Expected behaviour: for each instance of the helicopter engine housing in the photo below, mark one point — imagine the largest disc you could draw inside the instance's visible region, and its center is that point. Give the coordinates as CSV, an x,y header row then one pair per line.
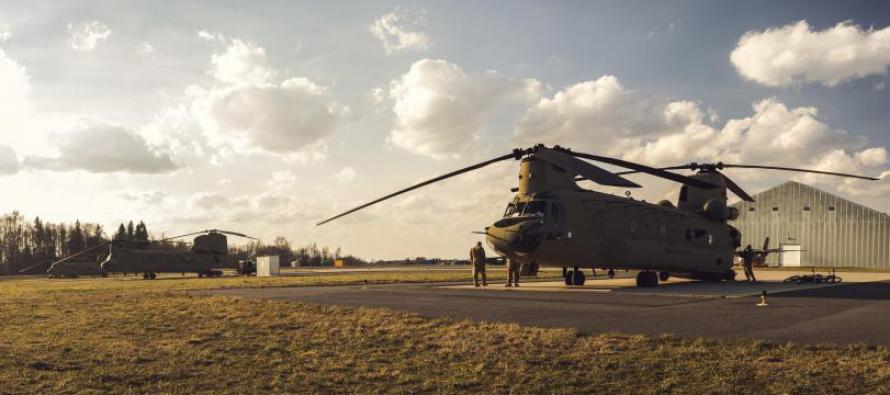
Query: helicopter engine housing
x,y
717,210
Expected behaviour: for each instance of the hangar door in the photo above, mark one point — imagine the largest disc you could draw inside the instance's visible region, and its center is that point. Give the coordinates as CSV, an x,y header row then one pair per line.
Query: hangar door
x,y
789,255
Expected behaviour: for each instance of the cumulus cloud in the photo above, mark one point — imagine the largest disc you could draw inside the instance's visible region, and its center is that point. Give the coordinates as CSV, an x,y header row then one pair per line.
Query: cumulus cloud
x,y
280,118
9,162
100,147
788,54
594,117
601,108
5,33
345,175
15,87
146,49
86,36
242,62
208,36
400,30
146,198
264,208
208,201
772,134
247,110
281,180
439,108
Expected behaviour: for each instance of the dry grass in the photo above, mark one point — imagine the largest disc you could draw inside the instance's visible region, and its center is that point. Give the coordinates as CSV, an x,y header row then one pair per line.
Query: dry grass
x,y
176,283
125,336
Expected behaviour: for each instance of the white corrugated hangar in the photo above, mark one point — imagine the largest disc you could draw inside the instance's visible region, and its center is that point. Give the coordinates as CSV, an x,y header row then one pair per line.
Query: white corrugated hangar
x,y
816,228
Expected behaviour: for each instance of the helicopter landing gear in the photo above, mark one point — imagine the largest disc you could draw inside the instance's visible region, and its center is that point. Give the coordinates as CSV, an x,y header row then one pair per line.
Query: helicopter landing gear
x,y
730,275
611,273
578,278
663,276
574,277
647,279
149,276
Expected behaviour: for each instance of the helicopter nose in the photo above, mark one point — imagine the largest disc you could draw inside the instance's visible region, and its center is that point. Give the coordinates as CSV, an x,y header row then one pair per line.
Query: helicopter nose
x,y
516,236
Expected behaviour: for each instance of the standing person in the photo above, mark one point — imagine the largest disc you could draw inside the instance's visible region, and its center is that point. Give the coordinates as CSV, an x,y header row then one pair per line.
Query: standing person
x,y
748,263
514,267
477,259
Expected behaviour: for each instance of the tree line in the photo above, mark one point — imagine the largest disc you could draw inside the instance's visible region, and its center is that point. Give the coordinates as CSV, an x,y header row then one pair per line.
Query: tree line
x,y
308,255
33,245
30,246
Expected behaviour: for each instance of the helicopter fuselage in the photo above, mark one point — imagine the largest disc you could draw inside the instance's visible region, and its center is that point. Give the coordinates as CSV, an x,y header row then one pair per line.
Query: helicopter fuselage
x,y
589,229
555,223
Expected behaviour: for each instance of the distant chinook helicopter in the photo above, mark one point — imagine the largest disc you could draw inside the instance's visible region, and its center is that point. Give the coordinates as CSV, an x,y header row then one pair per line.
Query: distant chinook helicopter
x,y
553,222
209,253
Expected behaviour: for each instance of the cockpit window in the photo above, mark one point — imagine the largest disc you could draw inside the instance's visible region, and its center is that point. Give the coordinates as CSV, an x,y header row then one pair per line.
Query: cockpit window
x,y
535,207
514,209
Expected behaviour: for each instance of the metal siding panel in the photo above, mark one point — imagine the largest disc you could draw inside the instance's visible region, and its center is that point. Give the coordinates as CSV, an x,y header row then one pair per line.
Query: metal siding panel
x,y
851,235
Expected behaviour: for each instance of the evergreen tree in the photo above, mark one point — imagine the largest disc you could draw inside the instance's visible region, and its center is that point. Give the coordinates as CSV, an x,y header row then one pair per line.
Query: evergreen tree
x,y
39,239
141,232
62,240
121,232
131,232
95,238
75,239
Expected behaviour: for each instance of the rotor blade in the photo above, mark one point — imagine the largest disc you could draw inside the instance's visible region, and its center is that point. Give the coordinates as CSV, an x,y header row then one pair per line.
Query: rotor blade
x,y
228,232
830,173
766,243
34,265
480,165
735,188
105,244
658,172
587,170
680,167
184,235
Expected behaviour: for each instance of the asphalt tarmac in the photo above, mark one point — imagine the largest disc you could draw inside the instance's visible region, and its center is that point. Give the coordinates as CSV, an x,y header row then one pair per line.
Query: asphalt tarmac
x,y
847,313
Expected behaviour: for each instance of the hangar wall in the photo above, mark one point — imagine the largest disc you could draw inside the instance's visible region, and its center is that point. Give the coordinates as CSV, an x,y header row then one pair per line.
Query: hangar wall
x,y
834,232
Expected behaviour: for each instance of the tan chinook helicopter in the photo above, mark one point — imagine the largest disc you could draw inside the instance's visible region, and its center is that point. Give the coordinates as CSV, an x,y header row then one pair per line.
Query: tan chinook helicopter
x,y
553,222
208,255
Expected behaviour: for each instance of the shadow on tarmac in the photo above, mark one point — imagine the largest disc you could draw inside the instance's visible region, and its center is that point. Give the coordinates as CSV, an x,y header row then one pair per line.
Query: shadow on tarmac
x,y
861,291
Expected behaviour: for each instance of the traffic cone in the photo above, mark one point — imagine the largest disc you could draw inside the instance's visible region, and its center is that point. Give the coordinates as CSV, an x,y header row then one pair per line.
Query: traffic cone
x,y
762,299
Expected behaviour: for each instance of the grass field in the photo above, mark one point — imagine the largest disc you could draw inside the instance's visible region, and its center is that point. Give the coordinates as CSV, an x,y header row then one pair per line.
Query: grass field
x,y
125,336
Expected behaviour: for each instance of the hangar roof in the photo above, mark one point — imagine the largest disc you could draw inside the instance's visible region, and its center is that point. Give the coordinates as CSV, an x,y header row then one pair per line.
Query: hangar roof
x,y
802,197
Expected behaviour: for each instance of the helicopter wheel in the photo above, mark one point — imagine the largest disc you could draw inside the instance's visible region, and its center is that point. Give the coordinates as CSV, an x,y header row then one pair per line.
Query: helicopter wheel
x,y
647,279
577,277
569,276
152,275
730,275
611,273
663,276
145,276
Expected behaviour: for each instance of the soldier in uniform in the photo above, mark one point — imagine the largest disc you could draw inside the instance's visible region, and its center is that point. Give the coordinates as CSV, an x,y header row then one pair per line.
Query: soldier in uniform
x,y
477,259
748,256
513,269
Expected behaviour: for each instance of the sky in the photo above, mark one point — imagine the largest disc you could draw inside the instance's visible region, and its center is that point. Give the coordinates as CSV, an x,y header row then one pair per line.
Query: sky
x,y
266,117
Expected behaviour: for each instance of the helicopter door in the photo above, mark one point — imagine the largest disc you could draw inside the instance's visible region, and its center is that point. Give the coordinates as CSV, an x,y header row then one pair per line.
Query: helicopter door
x,y
558,214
